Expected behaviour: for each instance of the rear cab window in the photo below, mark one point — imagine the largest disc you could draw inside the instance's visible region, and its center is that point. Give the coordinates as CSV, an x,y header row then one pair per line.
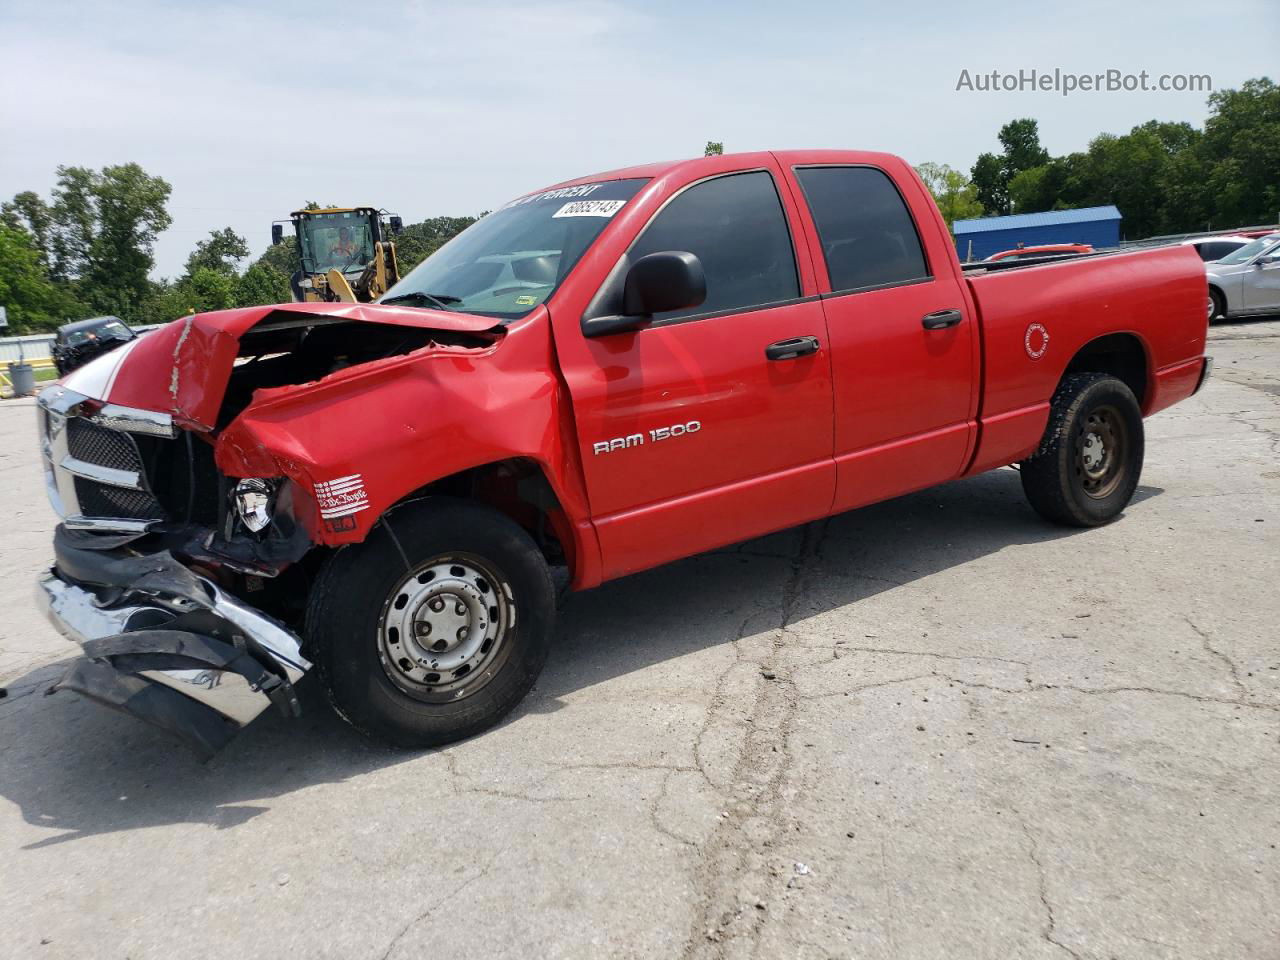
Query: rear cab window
x,y
869,239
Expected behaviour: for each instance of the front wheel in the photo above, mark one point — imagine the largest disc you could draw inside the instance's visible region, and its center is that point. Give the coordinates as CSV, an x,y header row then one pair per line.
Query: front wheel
x,y
433,628
1087,466
1217,306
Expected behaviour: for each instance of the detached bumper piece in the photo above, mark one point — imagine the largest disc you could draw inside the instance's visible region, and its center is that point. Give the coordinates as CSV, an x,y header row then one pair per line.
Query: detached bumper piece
x,y
165,645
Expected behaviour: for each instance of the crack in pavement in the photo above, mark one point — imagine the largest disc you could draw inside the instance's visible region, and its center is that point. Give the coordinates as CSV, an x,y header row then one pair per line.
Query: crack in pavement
x,y
1213,651
395,941
733,876
456,779
1051,921
655,819
627,765
908,653
719,700
668,770
1042,687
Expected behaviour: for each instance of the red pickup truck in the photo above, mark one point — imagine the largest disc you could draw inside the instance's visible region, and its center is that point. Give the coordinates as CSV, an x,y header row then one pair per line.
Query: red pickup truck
x,y
608,374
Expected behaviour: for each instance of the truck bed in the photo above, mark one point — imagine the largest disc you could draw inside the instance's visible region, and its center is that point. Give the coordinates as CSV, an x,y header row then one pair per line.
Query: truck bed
x,y
1148,301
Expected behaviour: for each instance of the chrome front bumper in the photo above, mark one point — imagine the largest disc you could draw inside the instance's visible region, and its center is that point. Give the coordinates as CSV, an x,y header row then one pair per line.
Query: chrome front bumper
x,y
198,663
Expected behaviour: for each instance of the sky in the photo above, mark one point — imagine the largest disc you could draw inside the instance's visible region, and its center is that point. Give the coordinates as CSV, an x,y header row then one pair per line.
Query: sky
x,y
451,108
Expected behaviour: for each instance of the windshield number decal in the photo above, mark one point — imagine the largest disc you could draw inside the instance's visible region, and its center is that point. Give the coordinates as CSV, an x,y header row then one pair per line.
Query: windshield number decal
x,y
590,208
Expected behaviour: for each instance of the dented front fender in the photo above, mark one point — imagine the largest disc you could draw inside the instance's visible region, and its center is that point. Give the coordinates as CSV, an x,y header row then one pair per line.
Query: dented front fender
x,y
359,441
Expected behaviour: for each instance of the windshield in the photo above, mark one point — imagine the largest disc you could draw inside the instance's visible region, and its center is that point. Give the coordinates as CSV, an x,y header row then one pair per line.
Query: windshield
x,y
512,260
1249,250
341,240
113,330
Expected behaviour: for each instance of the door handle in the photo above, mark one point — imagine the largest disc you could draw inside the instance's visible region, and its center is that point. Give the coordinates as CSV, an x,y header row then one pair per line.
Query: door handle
x,y
790,349
941,320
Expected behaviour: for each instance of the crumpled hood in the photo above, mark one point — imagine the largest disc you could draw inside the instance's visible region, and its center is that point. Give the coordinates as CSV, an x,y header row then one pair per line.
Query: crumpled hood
x,y
183,368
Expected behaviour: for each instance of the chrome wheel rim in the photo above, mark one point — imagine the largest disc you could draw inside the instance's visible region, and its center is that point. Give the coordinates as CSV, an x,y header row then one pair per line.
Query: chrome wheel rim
x,y
1211,306
442,629
1101,445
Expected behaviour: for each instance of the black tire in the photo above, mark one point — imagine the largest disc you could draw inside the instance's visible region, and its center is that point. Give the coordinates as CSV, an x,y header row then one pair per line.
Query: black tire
x,y
1089,462
359,586
1217,306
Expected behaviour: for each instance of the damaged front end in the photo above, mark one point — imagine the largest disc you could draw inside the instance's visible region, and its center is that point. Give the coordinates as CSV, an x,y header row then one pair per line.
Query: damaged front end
x,y
220,459
141,574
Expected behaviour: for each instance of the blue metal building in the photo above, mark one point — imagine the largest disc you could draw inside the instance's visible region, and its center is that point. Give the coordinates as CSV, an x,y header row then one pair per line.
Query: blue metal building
x,y
978,239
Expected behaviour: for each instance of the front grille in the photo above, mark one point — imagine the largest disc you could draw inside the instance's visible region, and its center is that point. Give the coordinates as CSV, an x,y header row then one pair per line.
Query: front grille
x,y
120,463
92,443
85,444
103,500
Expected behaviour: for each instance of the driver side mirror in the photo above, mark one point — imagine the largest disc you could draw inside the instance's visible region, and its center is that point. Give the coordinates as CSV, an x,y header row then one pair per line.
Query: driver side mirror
x,y
277,233
657,283
397,226
1268,260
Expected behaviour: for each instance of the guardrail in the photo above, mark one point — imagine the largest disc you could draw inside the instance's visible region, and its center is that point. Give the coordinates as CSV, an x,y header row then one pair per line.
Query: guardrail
x,y
28,348
33,346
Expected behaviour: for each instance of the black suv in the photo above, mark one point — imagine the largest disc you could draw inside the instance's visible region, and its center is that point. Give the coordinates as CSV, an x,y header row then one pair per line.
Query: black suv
x,y
78,343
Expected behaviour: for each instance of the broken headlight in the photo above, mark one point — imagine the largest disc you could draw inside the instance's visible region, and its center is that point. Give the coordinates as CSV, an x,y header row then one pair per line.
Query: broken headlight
x,y
254,500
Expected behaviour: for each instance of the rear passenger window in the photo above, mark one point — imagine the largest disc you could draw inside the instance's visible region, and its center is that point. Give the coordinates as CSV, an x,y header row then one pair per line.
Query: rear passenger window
x,y
1213,251
866,231
736,226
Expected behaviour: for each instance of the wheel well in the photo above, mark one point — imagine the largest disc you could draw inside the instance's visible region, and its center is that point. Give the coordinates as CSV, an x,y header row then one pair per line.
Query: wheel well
x,y
518,488
1119,354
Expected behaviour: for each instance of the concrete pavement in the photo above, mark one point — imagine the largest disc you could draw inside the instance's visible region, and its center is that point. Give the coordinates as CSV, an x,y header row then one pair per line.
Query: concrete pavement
x,y
936,727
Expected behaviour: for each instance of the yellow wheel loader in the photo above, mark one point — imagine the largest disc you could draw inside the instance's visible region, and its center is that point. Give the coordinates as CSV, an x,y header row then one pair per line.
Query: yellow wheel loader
x,y
345,253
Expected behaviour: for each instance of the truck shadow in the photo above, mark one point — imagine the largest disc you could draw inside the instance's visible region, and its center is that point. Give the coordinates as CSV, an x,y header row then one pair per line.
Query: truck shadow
x,y
661,614
74,767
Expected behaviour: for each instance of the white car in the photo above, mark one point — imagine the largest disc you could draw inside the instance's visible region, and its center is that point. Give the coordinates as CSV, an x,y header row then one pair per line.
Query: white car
x,y
1247,282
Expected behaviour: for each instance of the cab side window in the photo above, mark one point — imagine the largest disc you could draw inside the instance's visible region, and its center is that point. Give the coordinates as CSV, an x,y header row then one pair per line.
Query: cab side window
x,y
736,226
867,234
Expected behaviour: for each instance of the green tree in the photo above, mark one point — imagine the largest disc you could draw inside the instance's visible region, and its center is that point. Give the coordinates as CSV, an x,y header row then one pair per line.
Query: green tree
x,y
206,289
956,197
281,257
1242,147
27,211
1028,187
992,173
32,301
1165,177
130,215
420,240
1021,142
989,183
714,148
262,284
97,233
222,252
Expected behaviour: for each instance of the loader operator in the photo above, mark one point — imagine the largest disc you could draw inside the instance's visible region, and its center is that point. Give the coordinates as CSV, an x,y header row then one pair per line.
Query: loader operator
x,y
344,249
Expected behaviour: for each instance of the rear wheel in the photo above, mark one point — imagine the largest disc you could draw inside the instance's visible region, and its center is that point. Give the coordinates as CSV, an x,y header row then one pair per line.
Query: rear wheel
x,y
435,627
1088,464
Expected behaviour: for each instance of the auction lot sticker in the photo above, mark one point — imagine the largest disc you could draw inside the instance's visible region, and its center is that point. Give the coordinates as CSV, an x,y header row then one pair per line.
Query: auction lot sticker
x,y
590,208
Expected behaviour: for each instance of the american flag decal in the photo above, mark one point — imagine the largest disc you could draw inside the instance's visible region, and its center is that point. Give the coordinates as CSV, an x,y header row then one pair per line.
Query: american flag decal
x,y
342,496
